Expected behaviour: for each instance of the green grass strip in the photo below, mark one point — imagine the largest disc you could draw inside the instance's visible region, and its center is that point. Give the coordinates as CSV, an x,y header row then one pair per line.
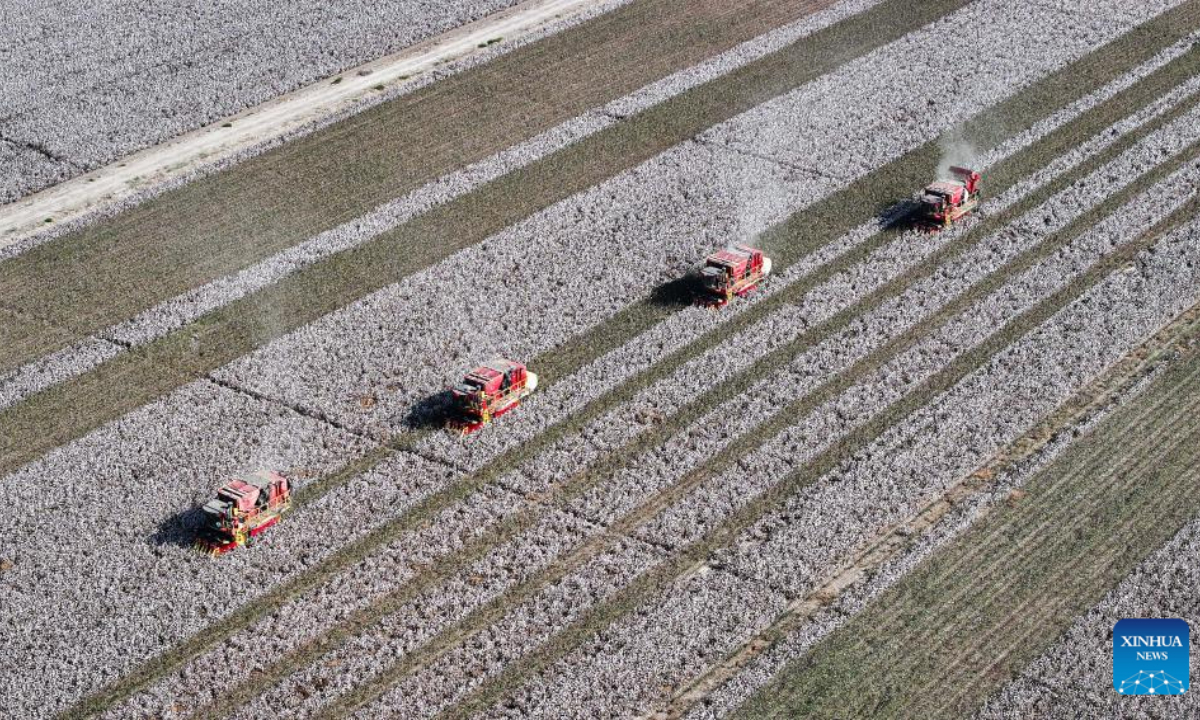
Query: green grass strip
x,y
629,454
68,410
108,272
981,608
1053,91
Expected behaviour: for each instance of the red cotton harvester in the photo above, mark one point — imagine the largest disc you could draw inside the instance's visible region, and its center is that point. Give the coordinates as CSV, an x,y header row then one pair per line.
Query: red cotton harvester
x,y
242,509
945,201
489,391
733,272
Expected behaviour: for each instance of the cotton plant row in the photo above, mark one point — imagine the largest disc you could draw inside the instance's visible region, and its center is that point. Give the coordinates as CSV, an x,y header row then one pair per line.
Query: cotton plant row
x,y
24,169
613,492
735,689
114,80
298,368
176,312
352,589
729,607
760,671
396,637
912,475
724,494
369,579
630,663
521,292
52,369
1075,674
345,585
366,571
447,69
784,540
110,517
981,55
721,425
173,313
676,331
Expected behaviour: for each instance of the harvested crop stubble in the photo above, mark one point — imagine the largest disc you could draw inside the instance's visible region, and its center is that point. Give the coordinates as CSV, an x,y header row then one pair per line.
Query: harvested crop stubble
x,y
1084,189
88,86
172,661
678,206
524,291
674,331
811,618
1075,675
173,313
1091,332
790,549
106,519
198,232
978,262
723,495
1110,500
729,607
611,499
176,312
224,335
395,638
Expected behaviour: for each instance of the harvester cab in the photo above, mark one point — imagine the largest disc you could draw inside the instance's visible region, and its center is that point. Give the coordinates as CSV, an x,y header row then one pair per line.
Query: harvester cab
x,y
733,272
243,509
489,391
945,201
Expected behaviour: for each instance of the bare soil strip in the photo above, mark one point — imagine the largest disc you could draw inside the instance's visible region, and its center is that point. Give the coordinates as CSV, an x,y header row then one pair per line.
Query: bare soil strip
x,y
65,411
638,592
217,225
1152,356
227,137
1028,160
939,642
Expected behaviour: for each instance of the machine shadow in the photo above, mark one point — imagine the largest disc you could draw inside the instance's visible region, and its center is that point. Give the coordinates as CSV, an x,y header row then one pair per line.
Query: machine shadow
x,y
181,529
433,412
678,293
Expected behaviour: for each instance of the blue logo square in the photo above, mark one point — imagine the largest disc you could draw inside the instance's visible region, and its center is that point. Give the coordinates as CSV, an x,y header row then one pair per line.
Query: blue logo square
x,y
1150,657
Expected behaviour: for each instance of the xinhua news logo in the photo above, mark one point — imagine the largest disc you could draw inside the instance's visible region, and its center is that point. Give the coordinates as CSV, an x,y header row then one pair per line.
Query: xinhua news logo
x,y
1150,657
